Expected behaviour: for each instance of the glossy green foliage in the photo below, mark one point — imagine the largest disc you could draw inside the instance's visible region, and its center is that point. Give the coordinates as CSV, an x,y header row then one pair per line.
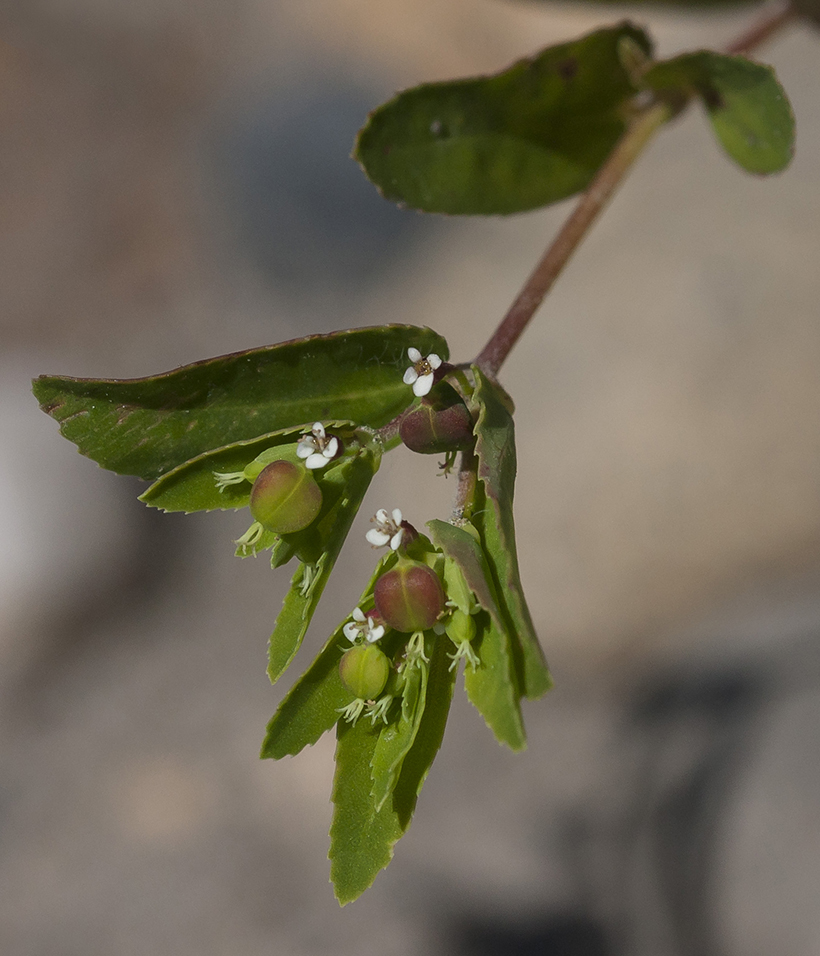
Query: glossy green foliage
x,y
312,705
148,426
495,450
343,488
747,107
362,837
529,136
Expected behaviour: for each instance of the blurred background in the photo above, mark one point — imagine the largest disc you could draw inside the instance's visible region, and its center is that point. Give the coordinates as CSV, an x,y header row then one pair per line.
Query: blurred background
x,y
176,184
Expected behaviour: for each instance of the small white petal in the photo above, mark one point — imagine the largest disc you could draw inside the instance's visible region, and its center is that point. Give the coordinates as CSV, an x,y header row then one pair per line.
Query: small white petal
x,y
319,429
358,615
331,448
423,385
381,516
351,631
377,538
397,519
316,461
433,360
413,354
305,447
395,541
410,376
375,634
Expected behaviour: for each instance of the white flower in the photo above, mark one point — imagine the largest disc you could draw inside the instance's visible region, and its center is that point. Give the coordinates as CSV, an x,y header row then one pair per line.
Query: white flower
x,y
388,529
363,626
317,448
422,372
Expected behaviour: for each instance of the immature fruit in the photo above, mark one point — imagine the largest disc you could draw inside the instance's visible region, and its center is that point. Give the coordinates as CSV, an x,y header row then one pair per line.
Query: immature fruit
x,y
441,423
364,670
285,497
461,627
409,597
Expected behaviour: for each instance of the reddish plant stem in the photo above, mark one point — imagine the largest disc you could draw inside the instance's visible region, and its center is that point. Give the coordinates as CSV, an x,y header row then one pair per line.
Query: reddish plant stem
x,y
465,492
591,204
640,131
776,17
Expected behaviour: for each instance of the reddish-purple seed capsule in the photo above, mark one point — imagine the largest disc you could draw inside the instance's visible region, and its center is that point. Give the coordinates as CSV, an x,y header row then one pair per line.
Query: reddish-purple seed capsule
x,y
409,597
440,424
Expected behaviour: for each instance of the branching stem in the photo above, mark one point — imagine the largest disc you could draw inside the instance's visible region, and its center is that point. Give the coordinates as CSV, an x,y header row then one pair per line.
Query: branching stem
x,y
640,131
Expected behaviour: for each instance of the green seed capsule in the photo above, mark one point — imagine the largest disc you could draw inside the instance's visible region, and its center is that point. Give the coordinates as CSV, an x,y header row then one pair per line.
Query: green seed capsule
x,y
364,670
409,597
285,497
461,627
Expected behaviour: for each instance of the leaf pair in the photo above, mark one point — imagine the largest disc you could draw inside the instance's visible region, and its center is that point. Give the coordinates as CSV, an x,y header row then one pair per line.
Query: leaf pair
x,y
537,132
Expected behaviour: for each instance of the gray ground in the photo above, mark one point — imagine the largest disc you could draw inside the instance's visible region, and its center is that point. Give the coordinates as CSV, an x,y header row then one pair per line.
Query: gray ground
x,y
176,185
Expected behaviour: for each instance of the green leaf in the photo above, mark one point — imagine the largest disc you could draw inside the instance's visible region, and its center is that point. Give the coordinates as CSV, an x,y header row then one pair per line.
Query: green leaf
x,y
361,838
526,137
465,550
192,486
312,705
440,683
350,482
493,686
148,426
749,110
396,739
495,450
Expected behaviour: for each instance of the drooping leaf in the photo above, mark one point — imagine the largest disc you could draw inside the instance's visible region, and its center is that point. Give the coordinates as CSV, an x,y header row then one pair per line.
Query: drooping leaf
x,y
465,550
495,450
351,481
361,838
396,739
493,687
148,426
193,486
440,683
523,138
311,707
749,110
